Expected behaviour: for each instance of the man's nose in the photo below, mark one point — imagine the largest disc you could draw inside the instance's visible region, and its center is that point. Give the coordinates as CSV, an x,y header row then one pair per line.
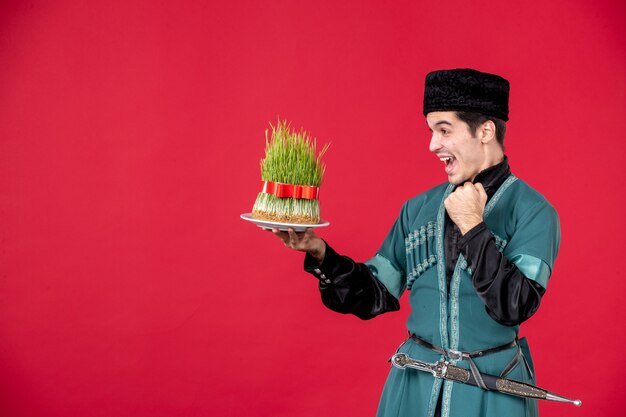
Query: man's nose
x,y
435,145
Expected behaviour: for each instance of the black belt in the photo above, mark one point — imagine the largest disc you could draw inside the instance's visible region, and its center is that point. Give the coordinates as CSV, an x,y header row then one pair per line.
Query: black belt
x,y
456,355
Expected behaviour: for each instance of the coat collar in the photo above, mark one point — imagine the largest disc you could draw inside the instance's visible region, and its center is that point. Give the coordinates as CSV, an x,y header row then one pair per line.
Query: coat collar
x,y
493,177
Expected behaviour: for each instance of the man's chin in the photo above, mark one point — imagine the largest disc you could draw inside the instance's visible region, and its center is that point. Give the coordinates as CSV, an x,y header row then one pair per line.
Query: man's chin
x,y
456,180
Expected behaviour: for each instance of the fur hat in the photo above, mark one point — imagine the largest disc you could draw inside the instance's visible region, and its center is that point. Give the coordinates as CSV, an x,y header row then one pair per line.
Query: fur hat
x,y
466,89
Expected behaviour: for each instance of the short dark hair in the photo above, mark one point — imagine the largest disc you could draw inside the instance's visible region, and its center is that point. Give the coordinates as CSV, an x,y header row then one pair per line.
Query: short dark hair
x,y
474,120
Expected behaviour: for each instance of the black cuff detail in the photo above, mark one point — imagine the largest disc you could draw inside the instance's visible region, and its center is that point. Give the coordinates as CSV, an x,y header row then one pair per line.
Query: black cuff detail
x,y
322,272
477,230
349,287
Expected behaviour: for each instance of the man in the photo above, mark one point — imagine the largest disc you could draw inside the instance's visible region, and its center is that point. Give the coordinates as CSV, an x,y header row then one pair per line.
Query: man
x,y
475,255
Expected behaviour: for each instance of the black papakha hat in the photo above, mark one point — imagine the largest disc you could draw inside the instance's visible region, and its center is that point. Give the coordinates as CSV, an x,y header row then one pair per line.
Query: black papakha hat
x,y
466,89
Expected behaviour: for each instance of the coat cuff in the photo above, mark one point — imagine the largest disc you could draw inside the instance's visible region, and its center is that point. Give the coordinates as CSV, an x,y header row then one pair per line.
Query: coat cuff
x,y
464,240
322,272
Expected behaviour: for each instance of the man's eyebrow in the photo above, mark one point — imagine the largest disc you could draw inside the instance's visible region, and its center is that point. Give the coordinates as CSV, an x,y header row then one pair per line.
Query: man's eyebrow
x,y
441,122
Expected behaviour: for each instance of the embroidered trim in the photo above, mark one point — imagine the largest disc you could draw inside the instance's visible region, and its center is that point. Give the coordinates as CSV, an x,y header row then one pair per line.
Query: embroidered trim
x,y
494,200
500,243
464,265
447,395
420,269
441,270
441,273
434,395
419,246
419,237
454,288
454,302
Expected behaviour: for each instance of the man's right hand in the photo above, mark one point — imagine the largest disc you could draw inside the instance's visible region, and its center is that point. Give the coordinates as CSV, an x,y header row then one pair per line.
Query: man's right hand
x,y
306,241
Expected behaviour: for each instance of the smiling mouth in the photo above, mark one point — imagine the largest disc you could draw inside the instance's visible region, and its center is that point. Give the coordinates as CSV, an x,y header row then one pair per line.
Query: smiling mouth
x,y
449,162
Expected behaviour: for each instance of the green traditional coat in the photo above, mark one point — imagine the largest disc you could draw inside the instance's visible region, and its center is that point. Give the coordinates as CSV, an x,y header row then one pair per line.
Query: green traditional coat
x,y
526,230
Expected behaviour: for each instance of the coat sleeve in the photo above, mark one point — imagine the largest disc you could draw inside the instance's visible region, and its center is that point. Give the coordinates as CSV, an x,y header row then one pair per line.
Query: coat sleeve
x,y
512,283
364,289
349,287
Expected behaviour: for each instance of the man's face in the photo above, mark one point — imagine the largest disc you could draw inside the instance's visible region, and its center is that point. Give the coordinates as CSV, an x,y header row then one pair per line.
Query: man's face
x,y
452,142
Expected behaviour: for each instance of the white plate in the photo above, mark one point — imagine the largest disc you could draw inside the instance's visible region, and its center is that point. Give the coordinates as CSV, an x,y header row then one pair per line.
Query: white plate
x,y
266,224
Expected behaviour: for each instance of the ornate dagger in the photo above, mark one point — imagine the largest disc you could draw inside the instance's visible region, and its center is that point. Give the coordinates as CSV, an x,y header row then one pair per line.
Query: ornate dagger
x,y
445,370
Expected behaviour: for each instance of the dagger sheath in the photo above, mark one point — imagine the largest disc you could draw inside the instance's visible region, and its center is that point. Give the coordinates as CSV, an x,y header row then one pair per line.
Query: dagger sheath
x,y
445,370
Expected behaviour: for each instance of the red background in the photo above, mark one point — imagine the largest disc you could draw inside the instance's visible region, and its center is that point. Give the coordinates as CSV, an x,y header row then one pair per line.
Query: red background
x,y
130,138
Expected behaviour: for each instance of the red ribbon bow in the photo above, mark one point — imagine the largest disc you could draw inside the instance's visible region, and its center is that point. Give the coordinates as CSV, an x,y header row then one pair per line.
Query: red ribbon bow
x,y
281,190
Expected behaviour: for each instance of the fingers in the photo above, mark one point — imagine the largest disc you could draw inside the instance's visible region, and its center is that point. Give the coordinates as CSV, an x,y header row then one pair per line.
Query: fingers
x,y
293,239
292,234
310,234
467,196
481,191
462,192
470,188
464,188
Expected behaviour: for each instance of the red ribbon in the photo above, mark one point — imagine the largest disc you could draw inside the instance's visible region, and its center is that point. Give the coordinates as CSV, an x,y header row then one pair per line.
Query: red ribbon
x,y
281,190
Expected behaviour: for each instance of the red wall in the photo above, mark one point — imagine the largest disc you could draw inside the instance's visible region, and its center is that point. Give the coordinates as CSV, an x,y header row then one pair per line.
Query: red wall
x,y
130,138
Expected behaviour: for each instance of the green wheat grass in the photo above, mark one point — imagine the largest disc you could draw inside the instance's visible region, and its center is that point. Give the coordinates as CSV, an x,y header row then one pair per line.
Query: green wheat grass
x,y
290,158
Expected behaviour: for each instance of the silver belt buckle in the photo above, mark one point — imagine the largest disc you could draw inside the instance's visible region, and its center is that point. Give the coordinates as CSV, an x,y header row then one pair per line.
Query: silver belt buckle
x,y
455,355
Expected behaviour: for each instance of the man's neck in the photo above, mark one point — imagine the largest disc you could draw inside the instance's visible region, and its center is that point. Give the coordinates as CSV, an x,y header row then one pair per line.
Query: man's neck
x,y
493,177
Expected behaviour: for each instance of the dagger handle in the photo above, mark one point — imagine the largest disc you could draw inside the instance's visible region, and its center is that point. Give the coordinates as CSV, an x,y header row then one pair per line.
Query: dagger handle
x,y
400,360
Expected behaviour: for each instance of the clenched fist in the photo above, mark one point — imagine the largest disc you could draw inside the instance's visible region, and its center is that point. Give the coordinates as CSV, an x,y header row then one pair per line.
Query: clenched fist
x,y
466,206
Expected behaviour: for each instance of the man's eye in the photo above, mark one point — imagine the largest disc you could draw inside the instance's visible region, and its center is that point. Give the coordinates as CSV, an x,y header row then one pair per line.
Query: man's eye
x,y
444,131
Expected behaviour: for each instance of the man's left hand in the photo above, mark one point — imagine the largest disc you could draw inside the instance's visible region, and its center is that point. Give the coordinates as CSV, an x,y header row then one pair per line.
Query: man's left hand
x,y
466,206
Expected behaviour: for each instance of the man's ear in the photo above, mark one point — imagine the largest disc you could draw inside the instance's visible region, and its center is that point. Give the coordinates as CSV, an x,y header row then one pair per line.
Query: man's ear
x,y
487,132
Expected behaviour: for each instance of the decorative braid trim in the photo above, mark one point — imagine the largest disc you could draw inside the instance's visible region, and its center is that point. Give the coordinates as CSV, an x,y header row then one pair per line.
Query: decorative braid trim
x,y
494,200
441,270
420,236
500,243
420,269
